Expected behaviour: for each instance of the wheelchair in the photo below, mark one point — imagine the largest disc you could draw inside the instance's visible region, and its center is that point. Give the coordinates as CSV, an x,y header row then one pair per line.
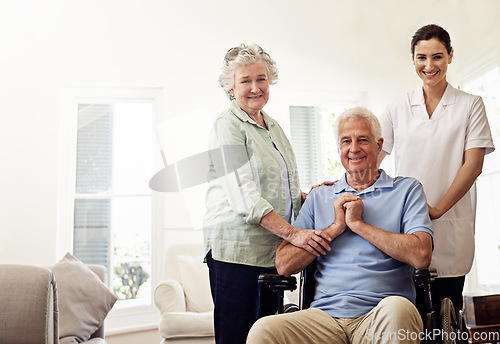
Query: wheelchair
x,y
451,329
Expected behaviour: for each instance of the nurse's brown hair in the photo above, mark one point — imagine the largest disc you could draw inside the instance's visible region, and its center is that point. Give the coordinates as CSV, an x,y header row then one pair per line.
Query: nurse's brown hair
x,y
431,31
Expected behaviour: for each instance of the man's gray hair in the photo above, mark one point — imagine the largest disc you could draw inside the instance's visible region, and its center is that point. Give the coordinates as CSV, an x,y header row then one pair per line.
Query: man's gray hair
x,y
361,113
243,55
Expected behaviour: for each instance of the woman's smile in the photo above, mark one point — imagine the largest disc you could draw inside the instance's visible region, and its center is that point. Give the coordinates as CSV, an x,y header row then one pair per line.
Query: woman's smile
x,y
430,73
251,87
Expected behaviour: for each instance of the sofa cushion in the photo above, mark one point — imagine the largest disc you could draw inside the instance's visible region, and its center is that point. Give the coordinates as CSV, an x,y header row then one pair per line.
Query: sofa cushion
x,y
84,300
196,284
187,324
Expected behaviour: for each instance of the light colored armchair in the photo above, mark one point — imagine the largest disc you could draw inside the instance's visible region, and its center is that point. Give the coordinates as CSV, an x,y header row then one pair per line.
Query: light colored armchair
x,y
30,304
184,299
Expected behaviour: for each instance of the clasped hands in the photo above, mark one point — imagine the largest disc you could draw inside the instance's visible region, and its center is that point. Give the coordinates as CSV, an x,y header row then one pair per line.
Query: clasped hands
x,y
348,212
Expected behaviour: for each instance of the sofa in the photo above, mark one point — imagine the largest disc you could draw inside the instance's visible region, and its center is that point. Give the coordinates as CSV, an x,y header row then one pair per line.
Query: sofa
x,y
64,304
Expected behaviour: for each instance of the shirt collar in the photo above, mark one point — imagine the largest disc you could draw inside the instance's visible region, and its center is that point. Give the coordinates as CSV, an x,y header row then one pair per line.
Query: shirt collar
x,y
417,97
383,181
243,116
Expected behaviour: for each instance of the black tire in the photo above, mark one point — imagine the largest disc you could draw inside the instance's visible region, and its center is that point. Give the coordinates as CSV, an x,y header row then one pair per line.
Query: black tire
x,y
448,322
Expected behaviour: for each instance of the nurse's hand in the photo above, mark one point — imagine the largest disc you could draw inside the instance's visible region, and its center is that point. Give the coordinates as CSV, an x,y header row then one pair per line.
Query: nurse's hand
x,y
326,182
434,213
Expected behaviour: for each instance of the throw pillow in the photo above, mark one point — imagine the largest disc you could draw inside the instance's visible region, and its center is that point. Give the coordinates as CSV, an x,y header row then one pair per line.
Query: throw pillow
x,y
84,300
196,284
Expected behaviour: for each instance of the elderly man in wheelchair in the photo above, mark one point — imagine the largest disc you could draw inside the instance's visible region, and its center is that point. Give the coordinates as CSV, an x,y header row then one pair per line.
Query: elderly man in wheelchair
x,y
379,232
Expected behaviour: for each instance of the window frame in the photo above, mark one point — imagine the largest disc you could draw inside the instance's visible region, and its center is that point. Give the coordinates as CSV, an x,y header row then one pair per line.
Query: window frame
x,y
485,64
127,318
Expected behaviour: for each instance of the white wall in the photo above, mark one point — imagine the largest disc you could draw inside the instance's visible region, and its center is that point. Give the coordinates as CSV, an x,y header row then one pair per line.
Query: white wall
x,y
178,46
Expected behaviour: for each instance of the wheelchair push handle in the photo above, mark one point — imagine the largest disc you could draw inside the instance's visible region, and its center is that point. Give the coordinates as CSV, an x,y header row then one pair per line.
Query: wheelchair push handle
x,y
424,276
278,282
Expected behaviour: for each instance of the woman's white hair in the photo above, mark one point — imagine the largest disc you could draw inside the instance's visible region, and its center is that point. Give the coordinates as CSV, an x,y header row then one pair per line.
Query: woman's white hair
x,y
362,113
243,55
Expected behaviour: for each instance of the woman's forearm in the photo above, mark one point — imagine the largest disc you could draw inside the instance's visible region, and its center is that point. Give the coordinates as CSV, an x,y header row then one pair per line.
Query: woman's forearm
x,y
277,225
465,178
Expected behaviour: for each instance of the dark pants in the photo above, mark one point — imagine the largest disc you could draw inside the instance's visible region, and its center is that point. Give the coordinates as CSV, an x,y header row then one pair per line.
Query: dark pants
x,y
238,299
450,287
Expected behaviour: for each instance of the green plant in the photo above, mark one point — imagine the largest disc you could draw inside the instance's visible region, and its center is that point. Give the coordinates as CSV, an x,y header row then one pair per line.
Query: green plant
x,y
132,276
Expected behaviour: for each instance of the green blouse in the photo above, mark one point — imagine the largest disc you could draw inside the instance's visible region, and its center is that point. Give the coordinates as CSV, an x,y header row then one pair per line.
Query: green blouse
x,y
246,183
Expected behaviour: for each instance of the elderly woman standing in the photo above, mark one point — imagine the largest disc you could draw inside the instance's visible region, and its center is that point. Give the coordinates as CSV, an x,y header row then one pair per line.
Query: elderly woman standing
x,y
250,205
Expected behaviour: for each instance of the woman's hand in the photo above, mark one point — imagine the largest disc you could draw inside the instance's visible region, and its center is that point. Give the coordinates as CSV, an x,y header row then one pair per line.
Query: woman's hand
x,y
465,178
434,213
303,196
313,241
326,182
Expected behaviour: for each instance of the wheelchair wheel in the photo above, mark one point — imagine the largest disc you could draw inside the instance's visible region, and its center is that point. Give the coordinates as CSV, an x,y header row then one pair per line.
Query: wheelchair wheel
x,y
449,324
290,307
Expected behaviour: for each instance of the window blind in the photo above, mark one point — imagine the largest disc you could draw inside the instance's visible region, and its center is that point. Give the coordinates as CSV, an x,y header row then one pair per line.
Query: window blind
x,y
92,234
306,142
91,230
94,148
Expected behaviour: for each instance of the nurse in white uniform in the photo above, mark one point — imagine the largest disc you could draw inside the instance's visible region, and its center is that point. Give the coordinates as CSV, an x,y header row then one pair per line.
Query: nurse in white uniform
x,y
440,136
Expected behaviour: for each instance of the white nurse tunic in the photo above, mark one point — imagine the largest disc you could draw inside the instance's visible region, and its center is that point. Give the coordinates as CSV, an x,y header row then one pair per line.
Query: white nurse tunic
x,y
432,150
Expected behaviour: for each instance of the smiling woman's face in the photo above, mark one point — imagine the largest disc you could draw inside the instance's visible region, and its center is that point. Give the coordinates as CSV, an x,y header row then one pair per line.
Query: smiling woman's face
x,y
251,87
431,61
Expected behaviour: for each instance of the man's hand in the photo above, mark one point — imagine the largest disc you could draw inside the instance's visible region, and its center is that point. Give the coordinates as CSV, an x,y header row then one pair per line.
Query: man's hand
x,y
339,224
353,213
313,241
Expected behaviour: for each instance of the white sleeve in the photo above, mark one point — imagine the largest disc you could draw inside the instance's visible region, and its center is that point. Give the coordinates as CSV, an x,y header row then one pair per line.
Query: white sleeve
x,y
478,134
387,130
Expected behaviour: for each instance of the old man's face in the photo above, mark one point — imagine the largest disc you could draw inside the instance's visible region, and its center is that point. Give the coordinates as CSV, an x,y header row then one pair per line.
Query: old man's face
x,y
358,148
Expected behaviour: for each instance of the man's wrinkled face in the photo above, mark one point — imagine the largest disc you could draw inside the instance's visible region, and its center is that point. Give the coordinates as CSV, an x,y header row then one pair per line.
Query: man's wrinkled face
x,y
358,148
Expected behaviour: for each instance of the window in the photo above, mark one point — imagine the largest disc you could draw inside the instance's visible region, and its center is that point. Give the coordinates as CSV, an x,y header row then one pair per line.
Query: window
x,y
112,207
306,141
313,140
487,85
111,154
484,274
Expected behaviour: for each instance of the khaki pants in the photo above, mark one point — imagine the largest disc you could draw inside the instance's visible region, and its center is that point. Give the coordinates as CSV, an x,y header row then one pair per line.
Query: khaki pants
x,y
394,320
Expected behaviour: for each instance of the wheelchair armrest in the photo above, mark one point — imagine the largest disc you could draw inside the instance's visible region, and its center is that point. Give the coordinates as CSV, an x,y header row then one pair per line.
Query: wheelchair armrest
x,y
278,282
424,276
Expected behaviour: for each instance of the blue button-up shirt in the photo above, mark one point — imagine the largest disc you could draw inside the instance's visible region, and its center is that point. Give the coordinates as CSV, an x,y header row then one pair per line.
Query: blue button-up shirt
x,y
355,275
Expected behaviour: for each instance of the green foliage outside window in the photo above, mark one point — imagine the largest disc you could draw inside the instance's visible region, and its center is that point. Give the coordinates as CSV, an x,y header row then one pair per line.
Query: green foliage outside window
x,y
129,277
333,168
